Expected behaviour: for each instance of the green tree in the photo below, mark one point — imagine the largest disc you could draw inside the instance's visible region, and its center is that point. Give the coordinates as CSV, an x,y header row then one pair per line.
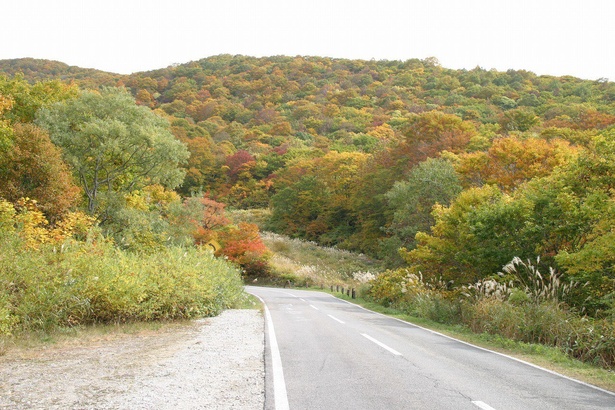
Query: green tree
x,y
431,182
114,145
481,231
28,98
297,207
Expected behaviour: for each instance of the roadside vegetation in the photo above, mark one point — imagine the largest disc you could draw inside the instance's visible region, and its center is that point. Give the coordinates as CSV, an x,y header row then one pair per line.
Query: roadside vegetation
x,y
66,281
91,230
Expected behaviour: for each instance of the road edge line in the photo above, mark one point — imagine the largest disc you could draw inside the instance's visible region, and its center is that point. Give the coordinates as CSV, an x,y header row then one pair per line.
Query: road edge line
x,y
279,384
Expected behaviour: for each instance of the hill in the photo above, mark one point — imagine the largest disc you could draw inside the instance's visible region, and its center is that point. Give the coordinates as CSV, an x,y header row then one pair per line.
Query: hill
x,y
271,131
38,69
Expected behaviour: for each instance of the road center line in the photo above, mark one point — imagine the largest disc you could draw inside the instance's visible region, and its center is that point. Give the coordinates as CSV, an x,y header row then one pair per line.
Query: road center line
x,y
314,307
336,319
379,343
482,405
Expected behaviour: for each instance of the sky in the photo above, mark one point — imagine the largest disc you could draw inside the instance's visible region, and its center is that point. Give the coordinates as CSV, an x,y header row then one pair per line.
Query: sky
x,y
547,37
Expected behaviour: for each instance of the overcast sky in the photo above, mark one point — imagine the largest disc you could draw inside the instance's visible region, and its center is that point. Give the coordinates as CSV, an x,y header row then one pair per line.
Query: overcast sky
x,y
556,37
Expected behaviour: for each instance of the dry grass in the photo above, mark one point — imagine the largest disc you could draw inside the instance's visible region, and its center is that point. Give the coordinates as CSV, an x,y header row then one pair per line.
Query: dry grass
x,y
306,263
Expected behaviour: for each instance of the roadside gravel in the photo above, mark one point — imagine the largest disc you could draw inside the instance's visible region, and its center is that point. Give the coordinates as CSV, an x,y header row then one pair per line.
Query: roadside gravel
x,y
213,363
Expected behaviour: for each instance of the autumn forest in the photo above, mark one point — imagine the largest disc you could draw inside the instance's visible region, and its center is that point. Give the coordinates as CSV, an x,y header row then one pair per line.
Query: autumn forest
x,y
454,177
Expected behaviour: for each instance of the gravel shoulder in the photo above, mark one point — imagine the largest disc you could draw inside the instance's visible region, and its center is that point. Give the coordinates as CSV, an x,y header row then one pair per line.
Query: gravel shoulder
x,y
213,363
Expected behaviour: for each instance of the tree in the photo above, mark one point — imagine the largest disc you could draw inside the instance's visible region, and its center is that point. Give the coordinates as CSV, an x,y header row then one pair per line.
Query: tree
x,y
203,171
6,132
33,168
433,181
430,133
472,238
296,207
511,161
521,119
19,101
113,144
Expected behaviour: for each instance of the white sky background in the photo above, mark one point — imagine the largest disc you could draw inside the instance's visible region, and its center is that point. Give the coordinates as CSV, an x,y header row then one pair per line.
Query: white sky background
x,y
555,37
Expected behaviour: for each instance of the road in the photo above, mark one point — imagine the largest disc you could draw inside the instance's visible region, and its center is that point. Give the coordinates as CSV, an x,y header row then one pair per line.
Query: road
x,y
325,353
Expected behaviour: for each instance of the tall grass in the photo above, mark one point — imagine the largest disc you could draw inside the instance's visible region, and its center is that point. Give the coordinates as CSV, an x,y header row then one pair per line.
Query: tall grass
x,y
94,282
307,263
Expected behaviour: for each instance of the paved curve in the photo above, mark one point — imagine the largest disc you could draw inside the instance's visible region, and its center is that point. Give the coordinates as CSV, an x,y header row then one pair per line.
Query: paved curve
x,y
336,355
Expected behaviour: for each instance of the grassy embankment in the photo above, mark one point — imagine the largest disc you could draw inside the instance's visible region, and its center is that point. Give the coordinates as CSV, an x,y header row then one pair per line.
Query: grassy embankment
x,y
305,263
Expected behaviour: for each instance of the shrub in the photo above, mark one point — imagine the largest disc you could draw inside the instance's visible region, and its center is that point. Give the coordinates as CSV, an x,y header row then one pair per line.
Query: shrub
x,y
243,245
434,305
91,282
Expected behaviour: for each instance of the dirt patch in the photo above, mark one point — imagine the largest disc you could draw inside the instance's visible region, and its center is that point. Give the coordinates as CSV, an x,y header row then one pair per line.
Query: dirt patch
x,y
214,363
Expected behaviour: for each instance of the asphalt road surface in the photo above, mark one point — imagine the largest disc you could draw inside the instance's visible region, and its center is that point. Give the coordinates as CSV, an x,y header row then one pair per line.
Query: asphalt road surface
x,y
325,353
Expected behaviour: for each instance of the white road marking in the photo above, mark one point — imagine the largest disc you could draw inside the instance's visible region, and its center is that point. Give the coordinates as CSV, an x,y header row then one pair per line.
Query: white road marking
x,y
483,406
303,300
279,385
314,307
379,343
336,319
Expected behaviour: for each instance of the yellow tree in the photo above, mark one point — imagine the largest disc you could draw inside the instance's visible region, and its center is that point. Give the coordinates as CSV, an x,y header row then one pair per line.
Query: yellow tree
x,y
511,161
33,168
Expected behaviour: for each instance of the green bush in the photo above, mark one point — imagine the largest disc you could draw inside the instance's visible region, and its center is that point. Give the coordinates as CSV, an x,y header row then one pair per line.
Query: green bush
x,y
436,306
83,283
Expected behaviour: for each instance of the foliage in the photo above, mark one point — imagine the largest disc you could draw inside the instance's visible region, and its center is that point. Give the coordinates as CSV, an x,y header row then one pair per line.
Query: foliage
x,y
431,182
113,144
472,238
511,161
6,133
26,99
314,198
340,150
243,245
33,168
28,221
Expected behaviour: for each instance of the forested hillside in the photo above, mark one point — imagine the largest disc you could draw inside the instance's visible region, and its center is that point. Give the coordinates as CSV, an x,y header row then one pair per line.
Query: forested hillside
x,y
447,174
